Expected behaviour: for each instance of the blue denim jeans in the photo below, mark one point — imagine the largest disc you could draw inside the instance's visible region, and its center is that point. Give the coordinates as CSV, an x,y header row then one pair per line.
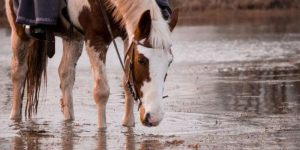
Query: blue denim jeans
x,y
165,8
37,12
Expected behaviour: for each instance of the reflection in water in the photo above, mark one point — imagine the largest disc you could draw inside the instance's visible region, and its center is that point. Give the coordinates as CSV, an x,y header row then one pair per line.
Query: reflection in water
x,y
101,140
259,93
195,110
34,136
17,143
147,143
130,139
67,137
28,137
151,145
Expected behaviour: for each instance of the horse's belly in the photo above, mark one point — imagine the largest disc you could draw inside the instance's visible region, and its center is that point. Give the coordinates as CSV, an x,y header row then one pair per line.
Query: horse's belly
x,y
74,8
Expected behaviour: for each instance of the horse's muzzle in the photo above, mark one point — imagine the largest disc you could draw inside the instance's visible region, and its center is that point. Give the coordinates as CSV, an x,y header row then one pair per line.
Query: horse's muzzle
x,y
150,121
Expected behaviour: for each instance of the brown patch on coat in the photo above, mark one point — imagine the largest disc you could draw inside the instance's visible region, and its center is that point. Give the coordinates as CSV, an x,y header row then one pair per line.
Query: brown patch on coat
x,y
95,28
96,32
142,113
141,71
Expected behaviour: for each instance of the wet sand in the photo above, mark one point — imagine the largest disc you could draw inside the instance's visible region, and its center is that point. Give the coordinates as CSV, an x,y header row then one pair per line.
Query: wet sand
x,y
230,87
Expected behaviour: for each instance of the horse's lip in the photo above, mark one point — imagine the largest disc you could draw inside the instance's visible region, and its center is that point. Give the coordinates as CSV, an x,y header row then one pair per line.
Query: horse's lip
x,y
148,124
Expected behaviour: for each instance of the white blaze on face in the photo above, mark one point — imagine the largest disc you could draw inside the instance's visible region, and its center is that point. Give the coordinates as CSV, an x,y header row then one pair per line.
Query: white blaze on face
x,y
159,61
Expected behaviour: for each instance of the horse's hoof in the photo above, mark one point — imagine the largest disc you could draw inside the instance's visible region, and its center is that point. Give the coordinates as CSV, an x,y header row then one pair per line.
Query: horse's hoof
x,y
69,118
128,123
15,118
102,127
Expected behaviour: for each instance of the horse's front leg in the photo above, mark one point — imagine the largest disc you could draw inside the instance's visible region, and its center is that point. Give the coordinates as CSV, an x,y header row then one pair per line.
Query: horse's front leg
x,y
96,49
72,50
18,74
128,117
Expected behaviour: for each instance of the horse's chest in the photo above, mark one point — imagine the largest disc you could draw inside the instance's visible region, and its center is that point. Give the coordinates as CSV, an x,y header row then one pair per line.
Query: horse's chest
x,y
75,8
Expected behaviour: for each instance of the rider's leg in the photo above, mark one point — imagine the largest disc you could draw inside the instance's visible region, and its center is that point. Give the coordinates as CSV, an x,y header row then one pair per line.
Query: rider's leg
x,y
164,5
38,15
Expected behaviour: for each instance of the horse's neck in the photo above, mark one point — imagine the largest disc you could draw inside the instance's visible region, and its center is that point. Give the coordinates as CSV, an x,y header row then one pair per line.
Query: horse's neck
x,y
130,11
125,10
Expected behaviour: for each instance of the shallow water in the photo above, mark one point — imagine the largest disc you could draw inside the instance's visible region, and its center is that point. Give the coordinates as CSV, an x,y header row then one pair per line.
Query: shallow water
x,y
230,87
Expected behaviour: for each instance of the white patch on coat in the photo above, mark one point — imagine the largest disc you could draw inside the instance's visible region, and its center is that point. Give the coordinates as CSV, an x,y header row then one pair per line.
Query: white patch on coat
x,y
74,8
159,61
101,88
129,13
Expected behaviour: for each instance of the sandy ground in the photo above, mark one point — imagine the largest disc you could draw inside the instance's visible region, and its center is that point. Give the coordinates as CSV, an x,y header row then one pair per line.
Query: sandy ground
x,y
230,87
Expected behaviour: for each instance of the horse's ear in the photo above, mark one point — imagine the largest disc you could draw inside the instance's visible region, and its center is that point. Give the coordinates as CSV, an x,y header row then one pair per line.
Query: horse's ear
x,y
144,26
173,19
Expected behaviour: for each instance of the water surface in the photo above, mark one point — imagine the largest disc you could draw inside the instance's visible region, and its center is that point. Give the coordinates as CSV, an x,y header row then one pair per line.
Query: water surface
x,y
230,87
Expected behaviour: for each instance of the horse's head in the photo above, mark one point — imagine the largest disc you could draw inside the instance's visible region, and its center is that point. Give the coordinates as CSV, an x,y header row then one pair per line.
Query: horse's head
x,y
148,69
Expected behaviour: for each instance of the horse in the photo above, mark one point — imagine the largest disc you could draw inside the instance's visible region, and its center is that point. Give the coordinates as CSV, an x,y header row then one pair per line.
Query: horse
x,y
148,55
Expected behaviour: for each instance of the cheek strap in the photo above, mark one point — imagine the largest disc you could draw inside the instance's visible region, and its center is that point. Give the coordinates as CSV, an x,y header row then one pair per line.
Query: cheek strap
x,y
130,76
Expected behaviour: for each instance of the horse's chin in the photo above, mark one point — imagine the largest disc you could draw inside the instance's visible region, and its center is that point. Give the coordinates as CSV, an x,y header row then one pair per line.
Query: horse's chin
x,y
147,124
148,120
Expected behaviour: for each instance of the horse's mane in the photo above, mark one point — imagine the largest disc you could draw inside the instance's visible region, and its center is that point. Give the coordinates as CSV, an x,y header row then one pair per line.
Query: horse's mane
x,y
128,12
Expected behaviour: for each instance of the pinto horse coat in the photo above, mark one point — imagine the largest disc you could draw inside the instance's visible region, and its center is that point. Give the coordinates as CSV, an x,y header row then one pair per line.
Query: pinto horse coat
x,y
132,20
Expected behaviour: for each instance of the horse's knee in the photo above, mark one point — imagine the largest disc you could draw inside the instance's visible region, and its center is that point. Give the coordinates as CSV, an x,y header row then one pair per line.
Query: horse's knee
x,y
18,71
66,74
101,92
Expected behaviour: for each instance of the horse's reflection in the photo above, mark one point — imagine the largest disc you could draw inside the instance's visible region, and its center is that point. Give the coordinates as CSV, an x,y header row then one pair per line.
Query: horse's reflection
x,y
17,143
129,139
67,137
30,136
149,143
101,139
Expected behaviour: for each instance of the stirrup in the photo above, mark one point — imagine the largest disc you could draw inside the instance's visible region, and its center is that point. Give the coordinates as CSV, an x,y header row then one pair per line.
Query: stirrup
x,y
37,32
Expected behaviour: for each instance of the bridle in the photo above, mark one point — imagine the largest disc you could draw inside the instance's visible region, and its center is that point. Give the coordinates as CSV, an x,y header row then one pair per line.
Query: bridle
x,y
130,78
131,86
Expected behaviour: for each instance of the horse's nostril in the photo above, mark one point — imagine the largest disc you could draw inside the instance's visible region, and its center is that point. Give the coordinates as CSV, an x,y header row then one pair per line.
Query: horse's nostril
x,y
150,121
147,117
147,120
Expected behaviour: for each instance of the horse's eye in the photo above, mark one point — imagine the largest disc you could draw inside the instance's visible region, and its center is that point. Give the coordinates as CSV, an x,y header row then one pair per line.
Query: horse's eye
x,y
142,60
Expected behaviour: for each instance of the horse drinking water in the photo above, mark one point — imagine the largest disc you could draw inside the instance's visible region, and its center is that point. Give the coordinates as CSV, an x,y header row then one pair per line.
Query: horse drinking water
x,y
147,40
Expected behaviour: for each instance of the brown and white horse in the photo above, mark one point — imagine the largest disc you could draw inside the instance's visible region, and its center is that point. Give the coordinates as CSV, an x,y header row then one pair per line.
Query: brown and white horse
x,y
135,21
